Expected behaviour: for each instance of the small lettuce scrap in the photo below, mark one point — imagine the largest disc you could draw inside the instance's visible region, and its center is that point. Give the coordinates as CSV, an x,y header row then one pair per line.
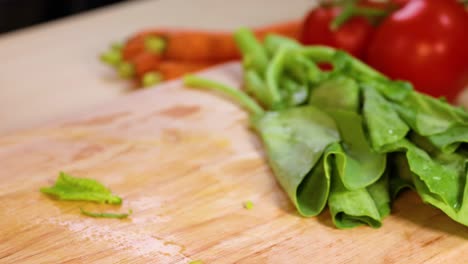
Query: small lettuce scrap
x,y
80,189
105,215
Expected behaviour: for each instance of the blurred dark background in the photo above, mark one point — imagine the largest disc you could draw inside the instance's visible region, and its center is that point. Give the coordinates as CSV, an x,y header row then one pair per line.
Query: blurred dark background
x,y
17,14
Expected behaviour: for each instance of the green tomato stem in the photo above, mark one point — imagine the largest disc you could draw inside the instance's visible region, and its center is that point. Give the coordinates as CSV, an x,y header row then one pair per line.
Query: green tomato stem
x,y
351,10
370,12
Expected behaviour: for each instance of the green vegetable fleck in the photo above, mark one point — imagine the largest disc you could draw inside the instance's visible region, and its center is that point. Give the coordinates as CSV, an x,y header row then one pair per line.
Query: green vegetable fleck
x,y
248,205
80,189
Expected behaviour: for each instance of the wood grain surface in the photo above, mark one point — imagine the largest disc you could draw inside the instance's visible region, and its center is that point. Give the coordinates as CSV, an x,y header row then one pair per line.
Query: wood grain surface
x,y
185,162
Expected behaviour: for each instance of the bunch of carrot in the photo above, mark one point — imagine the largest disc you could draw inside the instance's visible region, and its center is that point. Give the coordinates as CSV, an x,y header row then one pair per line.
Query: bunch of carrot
x,y
156,55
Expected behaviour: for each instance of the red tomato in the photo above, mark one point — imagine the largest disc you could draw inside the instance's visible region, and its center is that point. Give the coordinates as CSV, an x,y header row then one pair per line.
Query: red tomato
x,y
425,43
351,36
383,5
400,3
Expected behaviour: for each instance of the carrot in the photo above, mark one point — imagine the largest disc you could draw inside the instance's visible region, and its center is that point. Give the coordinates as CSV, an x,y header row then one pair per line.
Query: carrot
x,y
189,45
164,54
290,29
200,46
186,45
145,62
139,43
173,69
168,70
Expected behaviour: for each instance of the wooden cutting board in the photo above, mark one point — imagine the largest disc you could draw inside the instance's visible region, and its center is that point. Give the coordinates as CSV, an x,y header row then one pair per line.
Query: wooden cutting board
x,y
185,162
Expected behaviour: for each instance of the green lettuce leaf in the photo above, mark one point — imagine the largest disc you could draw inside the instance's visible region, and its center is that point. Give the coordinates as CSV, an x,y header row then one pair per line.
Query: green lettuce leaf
x,y
336,93
393,91
351,208
384,125
439,178
358,164
379,191
295,139
451,139
400,174
460,215
428,116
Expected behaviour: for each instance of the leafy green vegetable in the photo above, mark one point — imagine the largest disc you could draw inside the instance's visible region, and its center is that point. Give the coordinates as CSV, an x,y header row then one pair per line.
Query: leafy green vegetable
x,y
80,189
350,137
106,215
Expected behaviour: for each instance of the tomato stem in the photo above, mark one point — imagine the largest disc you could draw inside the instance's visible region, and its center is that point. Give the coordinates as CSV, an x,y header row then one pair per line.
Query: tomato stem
x,y
351,9
369,11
